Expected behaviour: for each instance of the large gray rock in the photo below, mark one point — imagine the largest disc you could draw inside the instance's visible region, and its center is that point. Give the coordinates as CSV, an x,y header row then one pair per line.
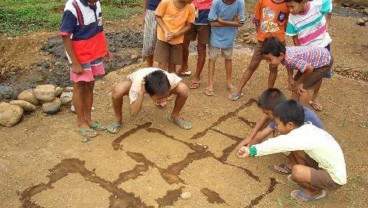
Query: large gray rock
x,y
10,114
27,95
58,91
52,107
45,93
24,104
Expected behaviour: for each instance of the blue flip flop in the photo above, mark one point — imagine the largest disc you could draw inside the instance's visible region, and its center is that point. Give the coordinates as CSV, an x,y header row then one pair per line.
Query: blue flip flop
x,y
300,197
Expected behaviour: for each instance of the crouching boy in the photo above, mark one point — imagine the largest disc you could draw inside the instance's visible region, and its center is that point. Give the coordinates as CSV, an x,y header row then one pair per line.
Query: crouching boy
x,y
321,166
159,85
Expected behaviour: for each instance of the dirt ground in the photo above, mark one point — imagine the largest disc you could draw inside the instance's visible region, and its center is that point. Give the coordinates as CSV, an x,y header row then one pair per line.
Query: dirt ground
x,y
151,161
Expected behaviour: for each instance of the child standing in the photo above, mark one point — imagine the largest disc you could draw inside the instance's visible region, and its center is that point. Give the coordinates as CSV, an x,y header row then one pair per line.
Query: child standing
x,y
200,30
270,21
322,166
312,64
159,85
150,30
174,18
309,27
268,100
85,43
225,17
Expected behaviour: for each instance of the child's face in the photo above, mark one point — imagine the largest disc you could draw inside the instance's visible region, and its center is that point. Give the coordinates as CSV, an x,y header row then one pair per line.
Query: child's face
x,y
272,60
295,8
161,98
268,113
281,127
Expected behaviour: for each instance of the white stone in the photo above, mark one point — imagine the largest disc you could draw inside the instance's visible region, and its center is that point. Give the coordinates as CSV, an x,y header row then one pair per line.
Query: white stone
x,y
27,95
186,195
27,106
10,114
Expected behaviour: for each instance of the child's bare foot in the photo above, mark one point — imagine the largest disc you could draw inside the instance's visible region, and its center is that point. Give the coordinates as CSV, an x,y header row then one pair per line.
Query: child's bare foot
x,y
315,105
231,87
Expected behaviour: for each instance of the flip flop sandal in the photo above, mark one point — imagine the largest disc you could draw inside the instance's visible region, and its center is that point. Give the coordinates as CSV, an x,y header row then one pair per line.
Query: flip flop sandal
x,y
186,73
209,92
194,85
315,106
182,124
282,169
87,134
235,96
300,197
114,127
97,125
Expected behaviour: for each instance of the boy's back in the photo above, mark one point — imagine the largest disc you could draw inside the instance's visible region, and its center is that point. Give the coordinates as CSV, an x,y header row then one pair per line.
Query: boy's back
x,y
223,37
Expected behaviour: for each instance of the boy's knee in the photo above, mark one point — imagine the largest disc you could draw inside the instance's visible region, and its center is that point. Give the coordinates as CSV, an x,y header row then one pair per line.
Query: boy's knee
x,y
116,93
297,172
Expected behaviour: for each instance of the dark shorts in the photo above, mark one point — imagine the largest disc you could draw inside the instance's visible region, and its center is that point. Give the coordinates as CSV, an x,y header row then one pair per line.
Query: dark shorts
x,y
168,53
200,33
320,179
314,77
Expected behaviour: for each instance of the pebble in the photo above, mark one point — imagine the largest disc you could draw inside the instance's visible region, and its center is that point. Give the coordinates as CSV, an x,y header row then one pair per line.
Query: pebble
x,y
186,195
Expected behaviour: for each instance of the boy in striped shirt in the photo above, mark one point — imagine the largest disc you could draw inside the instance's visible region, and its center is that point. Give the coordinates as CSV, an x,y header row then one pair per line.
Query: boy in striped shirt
x,y
311,63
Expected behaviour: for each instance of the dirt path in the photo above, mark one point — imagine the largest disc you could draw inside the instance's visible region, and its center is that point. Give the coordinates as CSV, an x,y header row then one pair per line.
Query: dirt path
x,y
151,162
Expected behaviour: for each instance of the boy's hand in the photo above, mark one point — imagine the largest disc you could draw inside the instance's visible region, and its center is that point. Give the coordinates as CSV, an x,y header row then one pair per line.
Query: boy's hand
x,y
169,36
299,89
245,142
243,152
291,84
77,68
236,18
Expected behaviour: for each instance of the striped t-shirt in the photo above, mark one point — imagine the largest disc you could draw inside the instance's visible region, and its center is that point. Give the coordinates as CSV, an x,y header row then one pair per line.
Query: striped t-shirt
x,y
310,26
299,57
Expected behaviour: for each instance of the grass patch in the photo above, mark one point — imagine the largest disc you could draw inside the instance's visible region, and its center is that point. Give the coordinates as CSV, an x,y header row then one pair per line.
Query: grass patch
x,y
20,16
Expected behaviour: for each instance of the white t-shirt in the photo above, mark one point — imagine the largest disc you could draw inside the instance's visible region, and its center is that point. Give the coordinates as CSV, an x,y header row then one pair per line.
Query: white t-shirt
x,y
137,77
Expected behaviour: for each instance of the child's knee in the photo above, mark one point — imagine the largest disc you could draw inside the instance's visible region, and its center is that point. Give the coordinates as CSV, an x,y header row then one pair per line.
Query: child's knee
x,y
297,172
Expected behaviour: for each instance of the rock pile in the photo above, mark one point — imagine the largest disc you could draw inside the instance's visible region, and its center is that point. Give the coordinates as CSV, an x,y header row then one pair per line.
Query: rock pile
x,y
48,96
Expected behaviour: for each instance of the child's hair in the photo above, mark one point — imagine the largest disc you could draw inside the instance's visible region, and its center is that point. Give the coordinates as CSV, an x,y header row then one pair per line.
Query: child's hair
x,y
156,83
290,111
274,46
270,98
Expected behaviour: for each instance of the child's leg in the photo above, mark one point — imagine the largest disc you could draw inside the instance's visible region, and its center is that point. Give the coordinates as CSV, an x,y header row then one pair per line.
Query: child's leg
x,y
184,66
89,101
229,70
149,60
79,102
272,76
203,32
118,92
297,157
252,67
211,74
228,54
182,94
172,68
303,176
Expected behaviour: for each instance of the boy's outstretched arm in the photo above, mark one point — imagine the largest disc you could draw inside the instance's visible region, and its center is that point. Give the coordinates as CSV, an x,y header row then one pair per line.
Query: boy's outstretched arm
x,y
243,152
136,106
76,66
261,123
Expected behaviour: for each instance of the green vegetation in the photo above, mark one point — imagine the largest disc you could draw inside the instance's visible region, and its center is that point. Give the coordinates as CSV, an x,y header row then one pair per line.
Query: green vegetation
x,y
19,16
